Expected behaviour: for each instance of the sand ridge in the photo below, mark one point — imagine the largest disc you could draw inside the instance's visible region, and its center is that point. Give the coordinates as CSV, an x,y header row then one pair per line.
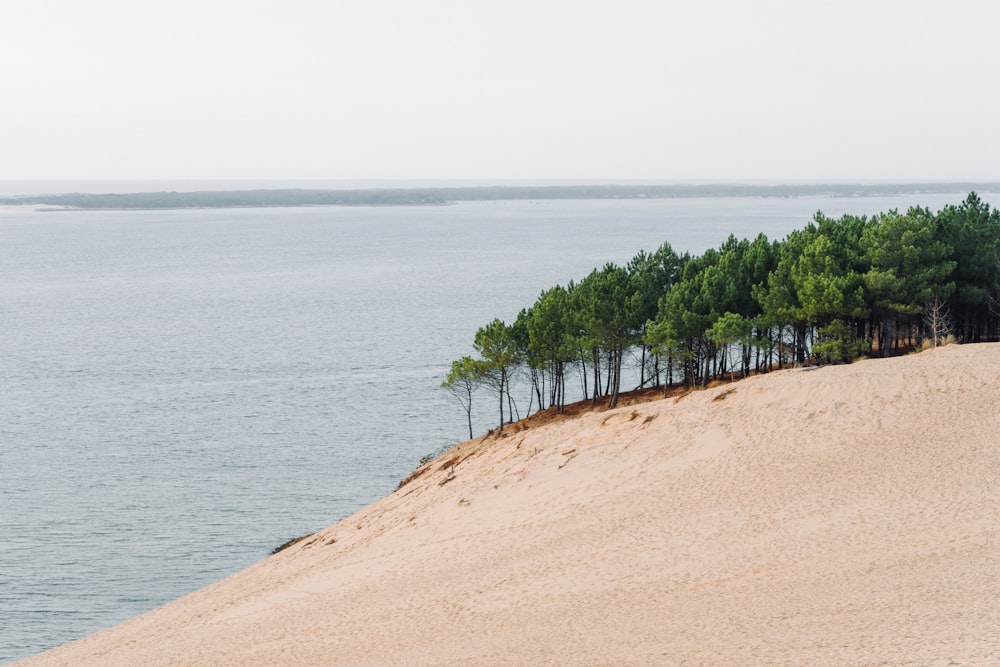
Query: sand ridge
x,y
844,515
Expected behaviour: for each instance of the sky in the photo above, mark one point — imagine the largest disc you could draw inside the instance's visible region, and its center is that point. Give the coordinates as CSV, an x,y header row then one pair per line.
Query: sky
x,y
630,90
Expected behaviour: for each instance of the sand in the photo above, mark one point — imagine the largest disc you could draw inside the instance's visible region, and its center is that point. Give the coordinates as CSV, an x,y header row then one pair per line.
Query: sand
x,y
846,515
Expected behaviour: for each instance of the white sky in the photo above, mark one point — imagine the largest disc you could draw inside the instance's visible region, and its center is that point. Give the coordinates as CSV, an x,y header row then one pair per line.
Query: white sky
x,y
542,89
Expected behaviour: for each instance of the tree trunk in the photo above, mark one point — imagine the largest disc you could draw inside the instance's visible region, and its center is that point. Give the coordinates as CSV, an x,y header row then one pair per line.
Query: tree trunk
x,y
800,344
617,371
502,383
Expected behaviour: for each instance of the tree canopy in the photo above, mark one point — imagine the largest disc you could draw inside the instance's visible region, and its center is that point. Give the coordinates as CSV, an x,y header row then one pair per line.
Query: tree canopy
x,y
831,292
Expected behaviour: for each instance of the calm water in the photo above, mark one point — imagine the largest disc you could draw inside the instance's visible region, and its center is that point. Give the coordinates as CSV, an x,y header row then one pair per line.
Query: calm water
x,y
182,391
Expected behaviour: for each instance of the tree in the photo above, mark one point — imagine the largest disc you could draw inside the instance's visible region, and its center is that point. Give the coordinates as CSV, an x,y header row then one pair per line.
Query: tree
x,y
650,277
827,290
779,298
972,230
937,318
527,357
993,293
462,381
729,330
831,289
500,355
683,317
550,341
609,310
909,267
838,342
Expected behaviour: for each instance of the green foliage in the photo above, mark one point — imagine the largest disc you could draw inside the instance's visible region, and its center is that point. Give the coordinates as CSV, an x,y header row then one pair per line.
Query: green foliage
x,y
731,329
464,373
462,381
552,343
834,290
972,229
838,342
650,276
825,286
500,350
909,265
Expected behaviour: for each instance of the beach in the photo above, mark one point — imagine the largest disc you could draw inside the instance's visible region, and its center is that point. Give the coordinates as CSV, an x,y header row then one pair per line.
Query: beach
x,y
829,516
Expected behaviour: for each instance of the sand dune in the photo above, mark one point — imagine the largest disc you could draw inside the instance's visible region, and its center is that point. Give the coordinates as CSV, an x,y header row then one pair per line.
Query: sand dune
x,y
842,516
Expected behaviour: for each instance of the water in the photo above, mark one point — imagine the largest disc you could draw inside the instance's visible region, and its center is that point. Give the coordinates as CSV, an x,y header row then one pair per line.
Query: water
x,y
182,391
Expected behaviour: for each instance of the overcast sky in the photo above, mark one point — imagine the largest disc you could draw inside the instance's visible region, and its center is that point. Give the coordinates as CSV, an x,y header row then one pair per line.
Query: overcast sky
x,y
429,89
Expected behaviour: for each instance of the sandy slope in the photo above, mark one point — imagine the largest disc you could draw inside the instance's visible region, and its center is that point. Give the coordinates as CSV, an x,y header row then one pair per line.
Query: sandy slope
x,y
845,515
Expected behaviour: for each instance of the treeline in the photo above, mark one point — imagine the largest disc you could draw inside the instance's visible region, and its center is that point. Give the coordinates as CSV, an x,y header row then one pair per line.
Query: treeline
x,y
231,199
837,290
444,195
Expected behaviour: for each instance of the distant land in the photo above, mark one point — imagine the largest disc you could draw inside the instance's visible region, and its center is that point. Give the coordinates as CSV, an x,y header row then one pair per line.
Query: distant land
x,y
436,196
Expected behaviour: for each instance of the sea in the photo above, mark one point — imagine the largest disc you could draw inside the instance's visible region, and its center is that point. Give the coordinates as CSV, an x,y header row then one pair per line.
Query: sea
x,y
181,391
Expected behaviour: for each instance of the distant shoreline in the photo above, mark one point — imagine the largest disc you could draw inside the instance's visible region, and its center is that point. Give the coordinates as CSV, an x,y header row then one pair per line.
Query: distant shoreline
x,y
32,207
439,196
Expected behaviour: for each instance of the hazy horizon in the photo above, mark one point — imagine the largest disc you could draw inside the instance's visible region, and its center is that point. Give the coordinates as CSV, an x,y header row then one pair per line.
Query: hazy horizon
x,y
18,187
552,91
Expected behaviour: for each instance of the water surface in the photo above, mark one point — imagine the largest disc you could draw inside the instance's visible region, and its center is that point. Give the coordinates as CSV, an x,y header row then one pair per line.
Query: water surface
x,y
182,391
